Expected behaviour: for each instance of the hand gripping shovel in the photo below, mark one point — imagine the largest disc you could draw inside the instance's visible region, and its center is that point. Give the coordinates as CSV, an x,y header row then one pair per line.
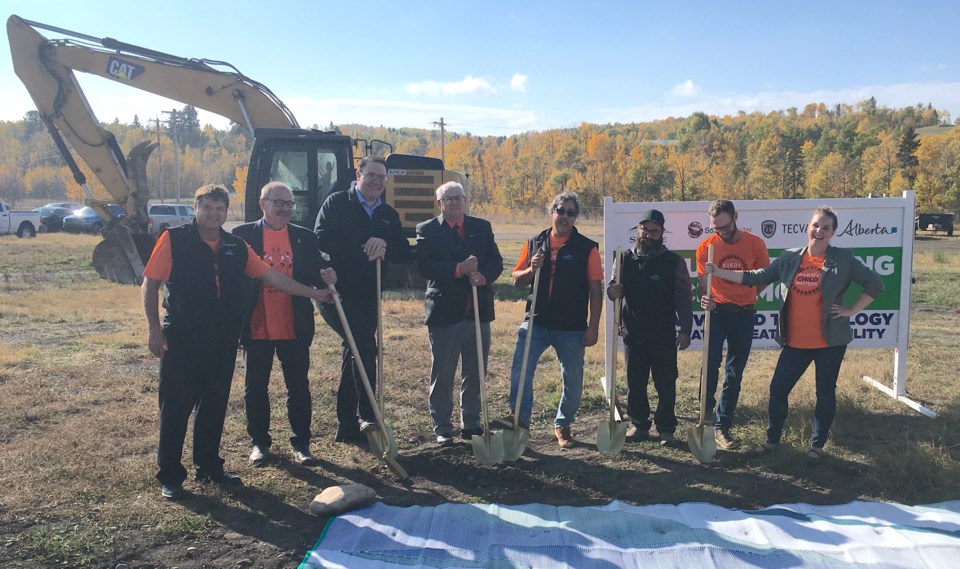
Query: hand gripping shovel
x,y
700,438
488,447
515,441
377,439
612,434
385,433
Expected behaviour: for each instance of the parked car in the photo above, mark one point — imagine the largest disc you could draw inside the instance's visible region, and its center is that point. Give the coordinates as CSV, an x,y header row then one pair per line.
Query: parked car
x,y
72,206
23,223
164,216
51,218
87,220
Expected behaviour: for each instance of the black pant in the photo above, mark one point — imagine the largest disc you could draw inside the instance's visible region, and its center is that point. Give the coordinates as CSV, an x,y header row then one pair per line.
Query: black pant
x,y
660,357
351,395
294,359
193,377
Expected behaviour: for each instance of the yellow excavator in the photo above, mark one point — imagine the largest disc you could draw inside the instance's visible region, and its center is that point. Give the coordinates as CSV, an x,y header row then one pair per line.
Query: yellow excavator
x,y
313,163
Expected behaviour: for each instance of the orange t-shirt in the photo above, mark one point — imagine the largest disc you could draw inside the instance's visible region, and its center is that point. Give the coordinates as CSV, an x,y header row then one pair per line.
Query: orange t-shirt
x,y
747,254
161,260
594,266
277,253
805,305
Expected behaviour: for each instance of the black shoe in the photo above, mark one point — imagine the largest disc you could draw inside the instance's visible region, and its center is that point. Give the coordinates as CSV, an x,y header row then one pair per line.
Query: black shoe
x,y
222,478
171,491
467,434
302,455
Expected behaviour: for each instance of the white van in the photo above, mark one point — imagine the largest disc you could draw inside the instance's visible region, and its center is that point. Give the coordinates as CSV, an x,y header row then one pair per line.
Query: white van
x,y
165,216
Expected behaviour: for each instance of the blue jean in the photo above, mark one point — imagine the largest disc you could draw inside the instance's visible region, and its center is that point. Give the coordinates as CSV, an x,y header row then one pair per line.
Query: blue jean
x,y
736,329
792,364
569,347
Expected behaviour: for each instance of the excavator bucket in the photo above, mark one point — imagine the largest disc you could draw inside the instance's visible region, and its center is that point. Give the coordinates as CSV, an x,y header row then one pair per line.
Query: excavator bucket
x,y
122,254
116,257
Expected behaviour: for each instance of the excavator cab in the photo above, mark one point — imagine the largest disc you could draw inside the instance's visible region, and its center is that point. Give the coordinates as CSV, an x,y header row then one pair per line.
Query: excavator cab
x,y
312,163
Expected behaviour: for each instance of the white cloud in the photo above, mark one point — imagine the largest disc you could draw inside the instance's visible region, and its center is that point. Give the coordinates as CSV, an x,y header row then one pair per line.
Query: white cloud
x,y
476,119
519,83
686,89
468,86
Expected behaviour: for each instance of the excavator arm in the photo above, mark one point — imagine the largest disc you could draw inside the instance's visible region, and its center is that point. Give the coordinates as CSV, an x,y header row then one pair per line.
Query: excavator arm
x,y
46,67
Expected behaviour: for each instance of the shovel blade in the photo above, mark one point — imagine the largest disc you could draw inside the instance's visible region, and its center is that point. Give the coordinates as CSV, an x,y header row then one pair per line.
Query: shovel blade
x,y
702,444
488,449
383,442
514,443
611,436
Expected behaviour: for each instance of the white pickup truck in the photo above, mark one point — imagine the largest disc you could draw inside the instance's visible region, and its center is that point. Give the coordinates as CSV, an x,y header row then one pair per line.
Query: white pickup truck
x,y
23,223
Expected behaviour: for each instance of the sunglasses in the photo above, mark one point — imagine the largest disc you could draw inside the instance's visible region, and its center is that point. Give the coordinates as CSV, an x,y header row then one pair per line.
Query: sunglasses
x,y
565,212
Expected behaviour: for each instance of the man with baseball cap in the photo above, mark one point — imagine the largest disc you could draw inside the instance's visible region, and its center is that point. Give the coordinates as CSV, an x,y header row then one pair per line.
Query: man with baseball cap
x,y
655,287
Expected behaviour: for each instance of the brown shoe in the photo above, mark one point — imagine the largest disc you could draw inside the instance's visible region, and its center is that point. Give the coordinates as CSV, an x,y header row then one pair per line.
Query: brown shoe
x,y
725,441
635,434
564,438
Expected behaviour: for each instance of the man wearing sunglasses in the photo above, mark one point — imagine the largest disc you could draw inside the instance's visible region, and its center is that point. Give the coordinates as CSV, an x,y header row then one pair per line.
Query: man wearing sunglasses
x,y
655,286
356,227
276,323
567,316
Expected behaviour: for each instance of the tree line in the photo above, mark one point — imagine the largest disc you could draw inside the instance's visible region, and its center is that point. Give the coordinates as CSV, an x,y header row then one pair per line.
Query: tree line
x,y
818,152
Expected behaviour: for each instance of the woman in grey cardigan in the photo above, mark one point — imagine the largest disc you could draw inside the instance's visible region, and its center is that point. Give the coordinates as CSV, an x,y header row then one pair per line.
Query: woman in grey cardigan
x,y
814,325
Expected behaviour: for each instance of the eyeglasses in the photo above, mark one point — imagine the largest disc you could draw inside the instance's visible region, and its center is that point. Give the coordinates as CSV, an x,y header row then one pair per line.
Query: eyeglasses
x,y
565,212
377,177
281,203
722,228
450,199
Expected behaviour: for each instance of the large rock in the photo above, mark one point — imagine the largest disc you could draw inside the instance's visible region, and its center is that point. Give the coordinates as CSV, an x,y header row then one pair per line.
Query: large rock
x,y
338,499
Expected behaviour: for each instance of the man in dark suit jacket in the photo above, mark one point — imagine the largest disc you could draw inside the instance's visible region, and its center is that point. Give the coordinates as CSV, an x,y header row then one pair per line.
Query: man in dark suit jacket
x,y
277,323
356,227
455,252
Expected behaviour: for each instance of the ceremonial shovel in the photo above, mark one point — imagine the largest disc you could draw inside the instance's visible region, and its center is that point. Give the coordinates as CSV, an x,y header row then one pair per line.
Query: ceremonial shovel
x,y
390,439
488,447
700,438
612,434
378,440
515,441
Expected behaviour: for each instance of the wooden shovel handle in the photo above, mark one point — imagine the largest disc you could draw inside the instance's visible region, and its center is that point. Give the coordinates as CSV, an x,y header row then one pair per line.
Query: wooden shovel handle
x,y
706,346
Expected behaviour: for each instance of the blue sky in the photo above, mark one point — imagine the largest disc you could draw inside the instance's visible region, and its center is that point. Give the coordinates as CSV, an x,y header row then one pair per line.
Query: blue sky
x,y
498,67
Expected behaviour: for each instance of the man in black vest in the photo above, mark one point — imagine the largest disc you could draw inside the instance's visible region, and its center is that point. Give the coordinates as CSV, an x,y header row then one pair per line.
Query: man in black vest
x,y
205,273
571,289
356,227
455,252
655,286
276,323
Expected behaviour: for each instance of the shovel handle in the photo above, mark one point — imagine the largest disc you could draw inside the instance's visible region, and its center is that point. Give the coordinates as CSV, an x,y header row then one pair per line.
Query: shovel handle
x,y
526,353
616,328
356,355
379,340
480,370
706,346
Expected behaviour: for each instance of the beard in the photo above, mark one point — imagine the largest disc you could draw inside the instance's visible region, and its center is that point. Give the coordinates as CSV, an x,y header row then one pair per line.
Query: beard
x,y
649,245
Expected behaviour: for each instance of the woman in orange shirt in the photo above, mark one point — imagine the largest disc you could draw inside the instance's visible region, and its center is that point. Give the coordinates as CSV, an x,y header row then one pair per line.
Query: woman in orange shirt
x,y
814,325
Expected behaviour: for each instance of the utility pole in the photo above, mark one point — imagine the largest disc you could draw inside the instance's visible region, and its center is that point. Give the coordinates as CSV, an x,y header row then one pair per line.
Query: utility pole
x,y
442,126
159,158
176,147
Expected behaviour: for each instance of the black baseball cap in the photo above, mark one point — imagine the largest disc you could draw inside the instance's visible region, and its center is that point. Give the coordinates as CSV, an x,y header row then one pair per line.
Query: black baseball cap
x,y
651,215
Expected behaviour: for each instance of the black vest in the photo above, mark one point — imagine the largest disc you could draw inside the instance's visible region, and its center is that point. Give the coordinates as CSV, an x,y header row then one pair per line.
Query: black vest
x,y
649,285
195,314
566,307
